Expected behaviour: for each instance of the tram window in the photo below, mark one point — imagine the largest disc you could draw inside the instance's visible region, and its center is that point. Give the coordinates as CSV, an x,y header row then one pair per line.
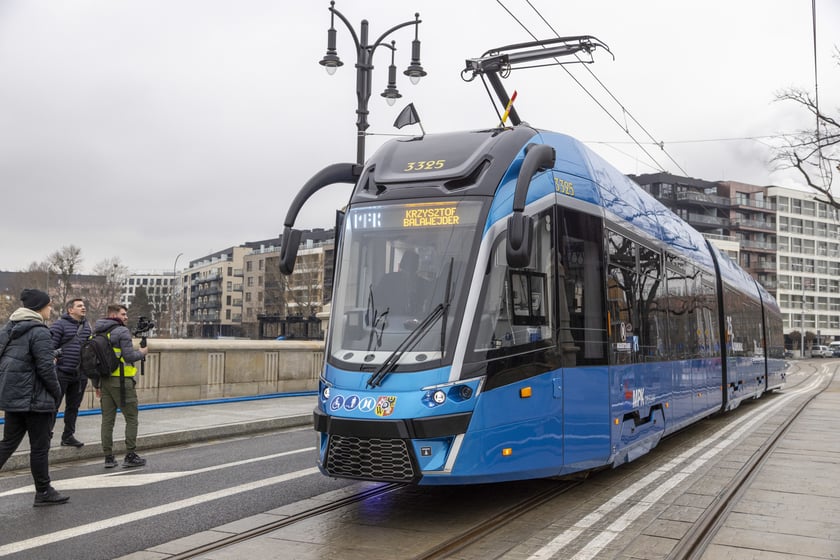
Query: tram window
x,y
528,290
580,271
622,298
679,307
514,304
653,318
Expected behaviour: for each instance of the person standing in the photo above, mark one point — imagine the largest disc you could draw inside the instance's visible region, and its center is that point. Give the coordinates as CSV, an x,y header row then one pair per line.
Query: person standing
x,y
29,390
118,389
68,333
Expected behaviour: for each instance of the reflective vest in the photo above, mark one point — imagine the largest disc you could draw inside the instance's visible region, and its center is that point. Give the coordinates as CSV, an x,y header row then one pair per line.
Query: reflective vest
x,y
128,369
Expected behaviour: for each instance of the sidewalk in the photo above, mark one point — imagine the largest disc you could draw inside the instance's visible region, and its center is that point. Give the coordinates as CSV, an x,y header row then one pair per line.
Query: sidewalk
x,y
166,424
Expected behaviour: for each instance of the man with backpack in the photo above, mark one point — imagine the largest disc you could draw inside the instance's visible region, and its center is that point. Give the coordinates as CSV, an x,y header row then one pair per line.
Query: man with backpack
x,y
29,390
67,335
118,389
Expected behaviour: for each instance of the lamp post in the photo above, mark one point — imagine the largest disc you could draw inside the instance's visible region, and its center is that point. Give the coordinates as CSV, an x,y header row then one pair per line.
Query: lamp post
x,y
172,297
364,68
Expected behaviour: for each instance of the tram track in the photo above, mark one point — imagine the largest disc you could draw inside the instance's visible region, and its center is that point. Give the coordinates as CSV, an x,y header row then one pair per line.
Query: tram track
x,y
287,521
702,532
478,531
475,535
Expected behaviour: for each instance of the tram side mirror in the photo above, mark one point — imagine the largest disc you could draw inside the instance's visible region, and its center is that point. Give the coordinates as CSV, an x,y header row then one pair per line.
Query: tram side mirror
x,y
518,250
288,250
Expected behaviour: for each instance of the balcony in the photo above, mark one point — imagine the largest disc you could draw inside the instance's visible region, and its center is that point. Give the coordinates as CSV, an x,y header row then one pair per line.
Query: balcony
x,y
703,198
743,223
759,246
754,204
714,221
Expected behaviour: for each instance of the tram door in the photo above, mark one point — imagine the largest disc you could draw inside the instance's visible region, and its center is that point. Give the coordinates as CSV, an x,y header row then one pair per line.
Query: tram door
x,y
582,342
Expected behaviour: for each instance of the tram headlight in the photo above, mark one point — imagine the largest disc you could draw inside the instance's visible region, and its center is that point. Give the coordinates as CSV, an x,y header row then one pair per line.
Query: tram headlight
x,y
439,397
326,393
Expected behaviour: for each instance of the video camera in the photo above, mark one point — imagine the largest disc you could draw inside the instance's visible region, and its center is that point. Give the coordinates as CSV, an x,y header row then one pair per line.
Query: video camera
x,y
141,331
143,327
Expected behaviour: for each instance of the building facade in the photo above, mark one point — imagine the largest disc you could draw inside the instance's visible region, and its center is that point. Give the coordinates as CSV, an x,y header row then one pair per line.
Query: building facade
x,y
236,291
808,274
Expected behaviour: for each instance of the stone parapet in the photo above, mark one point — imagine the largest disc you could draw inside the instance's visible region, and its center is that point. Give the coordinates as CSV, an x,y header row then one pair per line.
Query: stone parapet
x,y
179,370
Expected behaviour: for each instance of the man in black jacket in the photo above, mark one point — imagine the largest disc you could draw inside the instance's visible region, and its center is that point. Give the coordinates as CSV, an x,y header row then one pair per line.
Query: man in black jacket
x,y
29,390
67,336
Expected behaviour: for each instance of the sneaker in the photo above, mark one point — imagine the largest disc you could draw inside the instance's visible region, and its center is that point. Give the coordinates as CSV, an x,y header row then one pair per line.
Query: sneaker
x,y
133,460
49,497
110,462
71,442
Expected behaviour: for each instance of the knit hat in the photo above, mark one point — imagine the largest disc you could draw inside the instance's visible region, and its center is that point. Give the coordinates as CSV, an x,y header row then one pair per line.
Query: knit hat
x,y
34,299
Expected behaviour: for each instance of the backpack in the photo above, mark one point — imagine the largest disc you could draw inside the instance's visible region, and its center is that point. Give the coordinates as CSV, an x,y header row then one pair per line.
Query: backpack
x,y
98,358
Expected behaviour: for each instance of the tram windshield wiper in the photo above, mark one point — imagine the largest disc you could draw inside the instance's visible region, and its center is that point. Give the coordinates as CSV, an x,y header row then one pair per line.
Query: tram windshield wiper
x,y
375,320
410,342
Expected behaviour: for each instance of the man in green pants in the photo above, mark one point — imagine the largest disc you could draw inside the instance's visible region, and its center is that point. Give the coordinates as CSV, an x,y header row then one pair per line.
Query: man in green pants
x,y
118,390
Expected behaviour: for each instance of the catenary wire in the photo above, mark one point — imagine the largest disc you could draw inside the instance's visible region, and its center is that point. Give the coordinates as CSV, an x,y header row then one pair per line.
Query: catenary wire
x,y
594,99
610,93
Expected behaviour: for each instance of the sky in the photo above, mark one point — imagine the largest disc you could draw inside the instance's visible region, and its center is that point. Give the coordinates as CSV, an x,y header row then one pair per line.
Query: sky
x,y
149,129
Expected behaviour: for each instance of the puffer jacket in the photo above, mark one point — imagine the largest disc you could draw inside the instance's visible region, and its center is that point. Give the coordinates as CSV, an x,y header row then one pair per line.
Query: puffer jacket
x,y
28,382
67,336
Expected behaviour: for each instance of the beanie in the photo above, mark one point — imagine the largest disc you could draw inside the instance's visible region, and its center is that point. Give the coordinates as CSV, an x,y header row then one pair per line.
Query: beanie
x,y
34,299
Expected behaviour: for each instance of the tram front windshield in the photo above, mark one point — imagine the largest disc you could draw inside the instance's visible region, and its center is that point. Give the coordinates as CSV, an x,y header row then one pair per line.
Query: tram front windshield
x,y
401,283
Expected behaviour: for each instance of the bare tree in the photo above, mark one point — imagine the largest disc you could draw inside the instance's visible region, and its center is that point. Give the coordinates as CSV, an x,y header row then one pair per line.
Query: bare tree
x,y
814,153
113,274
64,263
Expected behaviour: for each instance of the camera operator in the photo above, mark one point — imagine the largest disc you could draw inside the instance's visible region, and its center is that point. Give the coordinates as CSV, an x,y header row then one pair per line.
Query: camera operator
x,y
68,333
118,390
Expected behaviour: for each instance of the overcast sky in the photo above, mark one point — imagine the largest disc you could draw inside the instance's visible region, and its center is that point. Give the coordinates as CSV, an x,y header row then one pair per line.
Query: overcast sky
x,y
147,128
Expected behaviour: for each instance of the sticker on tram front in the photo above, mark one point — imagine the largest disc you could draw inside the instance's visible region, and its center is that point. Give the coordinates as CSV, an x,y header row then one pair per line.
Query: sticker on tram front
x,y
351,402
336,403
385,406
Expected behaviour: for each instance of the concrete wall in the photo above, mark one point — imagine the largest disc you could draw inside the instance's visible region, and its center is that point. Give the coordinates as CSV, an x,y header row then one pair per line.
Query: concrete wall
x,y
196,369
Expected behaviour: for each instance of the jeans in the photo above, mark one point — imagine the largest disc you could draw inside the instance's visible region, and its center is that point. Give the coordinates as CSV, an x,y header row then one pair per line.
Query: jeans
x,y
109,401
73,388
38,425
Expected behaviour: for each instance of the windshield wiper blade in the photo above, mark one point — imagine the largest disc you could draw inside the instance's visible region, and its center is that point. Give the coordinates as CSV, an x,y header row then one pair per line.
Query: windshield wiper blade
x,y
407,344
446,301
374,319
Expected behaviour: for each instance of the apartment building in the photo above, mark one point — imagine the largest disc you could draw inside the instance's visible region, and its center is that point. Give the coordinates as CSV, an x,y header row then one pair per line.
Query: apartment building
x,y
212,294
808,268
275,304
237,291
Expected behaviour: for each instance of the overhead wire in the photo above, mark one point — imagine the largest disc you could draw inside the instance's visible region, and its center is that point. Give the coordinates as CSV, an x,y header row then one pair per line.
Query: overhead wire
x,y
592,96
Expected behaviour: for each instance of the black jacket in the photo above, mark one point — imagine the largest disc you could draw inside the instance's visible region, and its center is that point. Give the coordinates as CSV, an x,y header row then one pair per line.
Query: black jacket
x,y
28,382
67,336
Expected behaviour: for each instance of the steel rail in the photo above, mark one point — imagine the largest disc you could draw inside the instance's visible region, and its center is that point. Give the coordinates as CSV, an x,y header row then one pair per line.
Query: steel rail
x,y
285,522
702,532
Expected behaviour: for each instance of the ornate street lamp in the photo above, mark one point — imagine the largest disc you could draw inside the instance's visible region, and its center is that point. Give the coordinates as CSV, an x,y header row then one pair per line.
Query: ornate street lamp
x,y
364,67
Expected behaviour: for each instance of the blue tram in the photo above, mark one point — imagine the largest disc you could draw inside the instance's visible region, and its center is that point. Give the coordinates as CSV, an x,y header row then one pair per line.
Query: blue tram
x,y
507,305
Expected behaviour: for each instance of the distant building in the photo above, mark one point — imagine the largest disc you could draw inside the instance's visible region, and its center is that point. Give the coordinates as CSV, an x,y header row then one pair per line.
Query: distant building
x,y
275,304
808,268
229,293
